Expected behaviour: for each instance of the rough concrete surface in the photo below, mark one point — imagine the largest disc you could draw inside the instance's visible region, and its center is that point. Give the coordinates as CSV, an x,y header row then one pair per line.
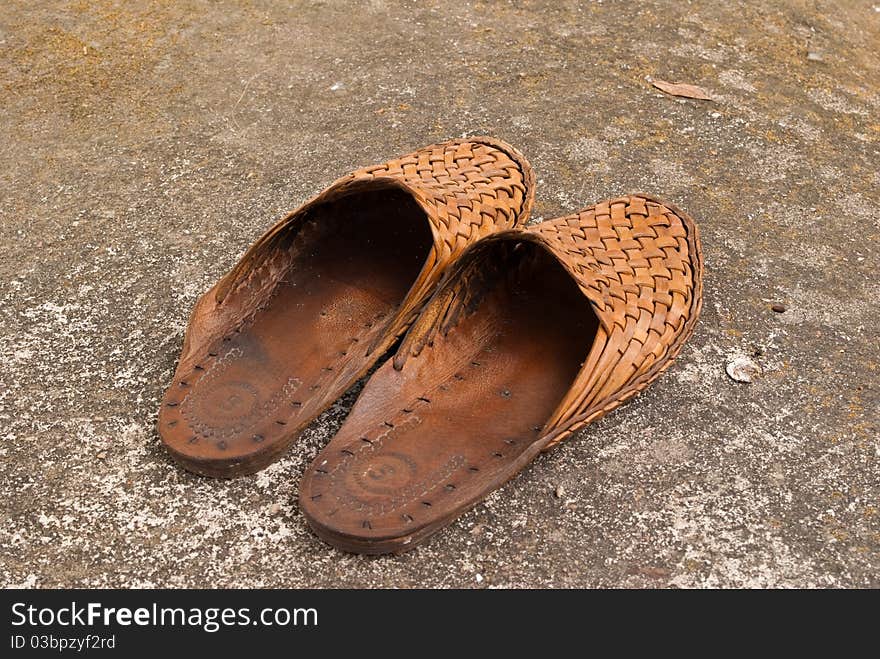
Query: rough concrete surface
x,y
146,144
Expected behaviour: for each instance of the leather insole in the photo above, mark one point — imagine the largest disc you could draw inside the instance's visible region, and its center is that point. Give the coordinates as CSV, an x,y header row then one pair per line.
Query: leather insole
x,y
425,443
258,387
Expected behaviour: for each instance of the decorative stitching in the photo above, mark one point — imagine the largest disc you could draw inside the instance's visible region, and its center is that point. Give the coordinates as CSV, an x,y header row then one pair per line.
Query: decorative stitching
x,y
242,401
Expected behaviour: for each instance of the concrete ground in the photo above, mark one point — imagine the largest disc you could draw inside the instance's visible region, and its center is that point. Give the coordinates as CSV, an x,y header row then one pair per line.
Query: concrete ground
x,y
146,144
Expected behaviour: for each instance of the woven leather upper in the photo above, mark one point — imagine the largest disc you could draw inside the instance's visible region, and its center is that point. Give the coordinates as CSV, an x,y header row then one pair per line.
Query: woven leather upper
x,y
638,262
468,189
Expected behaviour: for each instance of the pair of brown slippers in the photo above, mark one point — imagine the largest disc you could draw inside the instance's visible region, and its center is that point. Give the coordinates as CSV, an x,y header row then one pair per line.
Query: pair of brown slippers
x,y
512,337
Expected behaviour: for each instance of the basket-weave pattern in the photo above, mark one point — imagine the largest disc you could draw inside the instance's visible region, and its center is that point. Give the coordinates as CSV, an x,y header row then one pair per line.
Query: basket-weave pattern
x,y
470,189
639,263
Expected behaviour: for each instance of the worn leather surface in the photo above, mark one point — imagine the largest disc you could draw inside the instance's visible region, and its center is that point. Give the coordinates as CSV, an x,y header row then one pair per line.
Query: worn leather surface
x,y
535,333
324,293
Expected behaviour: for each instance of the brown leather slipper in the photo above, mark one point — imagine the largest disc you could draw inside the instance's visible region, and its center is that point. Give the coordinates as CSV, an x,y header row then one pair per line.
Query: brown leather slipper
x,y
532,335
324,293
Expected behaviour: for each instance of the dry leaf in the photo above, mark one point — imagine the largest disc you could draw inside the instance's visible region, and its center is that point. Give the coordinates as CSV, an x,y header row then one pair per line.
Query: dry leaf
x,y
682,89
